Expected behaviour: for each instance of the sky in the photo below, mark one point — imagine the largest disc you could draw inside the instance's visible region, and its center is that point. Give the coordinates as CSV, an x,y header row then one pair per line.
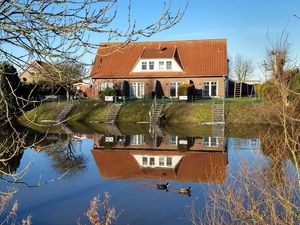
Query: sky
x,y
245,24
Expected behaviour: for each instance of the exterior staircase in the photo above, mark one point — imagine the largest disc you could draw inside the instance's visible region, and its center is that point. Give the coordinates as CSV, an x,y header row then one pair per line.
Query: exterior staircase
x,y
66,129
64,113
155,131
113,129
218,111
238,89
112,115
155,112
155,118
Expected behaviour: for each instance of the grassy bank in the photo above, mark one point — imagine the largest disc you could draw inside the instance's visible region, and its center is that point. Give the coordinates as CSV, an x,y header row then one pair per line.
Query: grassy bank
x,y
92,111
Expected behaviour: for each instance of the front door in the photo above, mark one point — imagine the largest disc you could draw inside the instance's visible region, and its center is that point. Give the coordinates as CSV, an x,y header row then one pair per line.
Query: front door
x,y
137,90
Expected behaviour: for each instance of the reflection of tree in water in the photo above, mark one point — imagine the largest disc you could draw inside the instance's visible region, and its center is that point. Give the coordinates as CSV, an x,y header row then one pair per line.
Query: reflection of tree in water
x,y
11,165
273,145
12,145
67,156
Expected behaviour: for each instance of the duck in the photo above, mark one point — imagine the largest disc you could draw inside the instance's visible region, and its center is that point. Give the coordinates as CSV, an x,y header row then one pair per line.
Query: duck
x,y
185,190
162,186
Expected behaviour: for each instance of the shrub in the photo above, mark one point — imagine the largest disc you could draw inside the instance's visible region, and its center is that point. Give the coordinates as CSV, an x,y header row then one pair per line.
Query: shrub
x,y
186,89
109,92
294,84
269,90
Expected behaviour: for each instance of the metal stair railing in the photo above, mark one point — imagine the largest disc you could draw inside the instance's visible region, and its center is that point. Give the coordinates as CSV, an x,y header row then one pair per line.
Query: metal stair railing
x,y
152,109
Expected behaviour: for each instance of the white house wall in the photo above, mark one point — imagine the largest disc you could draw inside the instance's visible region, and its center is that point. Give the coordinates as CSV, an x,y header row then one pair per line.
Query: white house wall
x,y
175,66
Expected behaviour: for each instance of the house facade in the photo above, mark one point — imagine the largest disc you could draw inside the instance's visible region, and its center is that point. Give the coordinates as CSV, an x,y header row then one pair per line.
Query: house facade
x,y
33,72
141,69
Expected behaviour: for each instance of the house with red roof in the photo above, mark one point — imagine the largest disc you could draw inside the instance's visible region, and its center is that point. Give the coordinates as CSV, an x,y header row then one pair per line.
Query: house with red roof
x,y
158,68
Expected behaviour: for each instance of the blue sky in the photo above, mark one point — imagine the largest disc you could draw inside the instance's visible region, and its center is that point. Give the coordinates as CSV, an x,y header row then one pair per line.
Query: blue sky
x,y
245,24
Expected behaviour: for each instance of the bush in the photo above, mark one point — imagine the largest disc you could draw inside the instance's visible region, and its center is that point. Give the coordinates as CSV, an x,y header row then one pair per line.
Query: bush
x,y
294,84
269,90
186,89
109,92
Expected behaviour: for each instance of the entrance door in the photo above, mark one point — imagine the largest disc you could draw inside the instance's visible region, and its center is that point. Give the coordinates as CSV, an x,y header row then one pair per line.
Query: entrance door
x,y
137,90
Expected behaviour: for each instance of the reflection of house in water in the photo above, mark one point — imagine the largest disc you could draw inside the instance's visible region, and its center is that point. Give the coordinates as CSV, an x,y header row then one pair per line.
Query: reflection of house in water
x,y
246,144
172,158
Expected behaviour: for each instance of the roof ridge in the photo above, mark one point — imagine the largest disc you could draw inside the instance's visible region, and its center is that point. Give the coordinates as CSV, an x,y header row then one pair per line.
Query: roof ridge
x,y
168,41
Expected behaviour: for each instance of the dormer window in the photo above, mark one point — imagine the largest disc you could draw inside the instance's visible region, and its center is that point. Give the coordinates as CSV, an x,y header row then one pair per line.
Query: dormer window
x,y
151,65
144,65
161,65
169,65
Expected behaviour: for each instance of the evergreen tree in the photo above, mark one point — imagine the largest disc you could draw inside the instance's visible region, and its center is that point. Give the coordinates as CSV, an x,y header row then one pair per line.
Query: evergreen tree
x,y
9,83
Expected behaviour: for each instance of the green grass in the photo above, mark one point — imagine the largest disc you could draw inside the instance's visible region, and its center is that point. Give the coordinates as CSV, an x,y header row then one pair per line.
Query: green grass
x,y
82,127
89,111
44,112
242,100
188,129
187,113
133,128
238,110
134,111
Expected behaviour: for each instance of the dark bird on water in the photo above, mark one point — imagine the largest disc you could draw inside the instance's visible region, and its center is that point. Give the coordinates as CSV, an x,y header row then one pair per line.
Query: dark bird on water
x,y
162,186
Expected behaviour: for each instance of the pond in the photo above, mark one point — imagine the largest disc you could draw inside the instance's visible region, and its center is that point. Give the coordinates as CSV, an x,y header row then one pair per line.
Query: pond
x,y
64,171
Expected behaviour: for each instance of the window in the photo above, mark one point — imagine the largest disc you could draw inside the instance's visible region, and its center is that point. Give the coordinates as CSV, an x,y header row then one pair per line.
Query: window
x,y
137,139
169,65
161,161
152,161
151,65
174,89
169,161
144,65
145,161
137,90
213,88
205,88
210,141
161,65
210,89
173,140
104,85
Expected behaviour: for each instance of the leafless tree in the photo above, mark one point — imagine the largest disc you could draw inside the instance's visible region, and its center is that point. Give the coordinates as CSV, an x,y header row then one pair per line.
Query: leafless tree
x,y
63,31
243,68
277,58
265,193
58,30
67,30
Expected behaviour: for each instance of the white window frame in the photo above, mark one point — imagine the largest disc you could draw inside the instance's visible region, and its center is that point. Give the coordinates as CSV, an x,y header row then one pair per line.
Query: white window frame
x,y
169,65
169,161
151,65
137,139
207,141
173,140
144,66
171,83
104,85
145,161
137,89
161,65
210,84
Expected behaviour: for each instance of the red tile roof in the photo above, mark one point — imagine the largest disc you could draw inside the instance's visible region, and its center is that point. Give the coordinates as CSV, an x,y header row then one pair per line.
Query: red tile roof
x,y
158,53
194,167
198,58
